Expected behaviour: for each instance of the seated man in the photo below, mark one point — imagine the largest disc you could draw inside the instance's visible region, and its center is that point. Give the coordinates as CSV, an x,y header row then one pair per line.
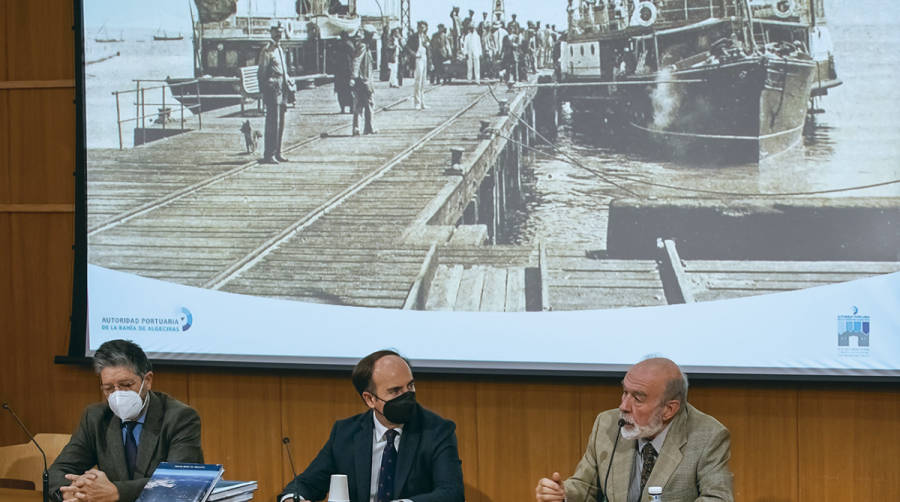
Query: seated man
x,y
665,442
118,444
395,450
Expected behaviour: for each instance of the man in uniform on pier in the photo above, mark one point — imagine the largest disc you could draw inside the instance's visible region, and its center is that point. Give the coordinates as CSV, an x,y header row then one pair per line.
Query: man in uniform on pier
x,y
418,46
277,90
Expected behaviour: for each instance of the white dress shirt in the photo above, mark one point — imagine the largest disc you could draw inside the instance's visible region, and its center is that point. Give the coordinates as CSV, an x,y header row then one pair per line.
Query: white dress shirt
x,y
634,488
379,441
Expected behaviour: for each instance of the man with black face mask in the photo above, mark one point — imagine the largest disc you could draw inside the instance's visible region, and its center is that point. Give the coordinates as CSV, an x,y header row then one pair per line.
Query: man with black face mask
x,y
397,450
119,443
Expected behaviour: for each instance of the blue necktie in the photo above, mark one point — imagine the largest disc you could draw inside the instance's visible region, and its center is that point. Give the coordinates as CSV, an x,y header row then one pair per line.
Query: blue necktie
x,y
388,465
130,448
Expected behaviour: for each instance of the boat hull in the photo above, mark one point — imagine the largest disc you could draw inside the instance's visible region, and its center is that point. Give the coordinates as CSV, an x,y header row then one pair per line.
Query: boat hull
x,y
740,111
206,93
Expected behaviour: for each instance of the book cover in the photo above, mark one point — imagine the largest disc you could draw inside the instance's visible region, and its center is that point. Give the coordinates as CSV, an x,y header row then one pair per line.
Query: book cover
x,y
181,482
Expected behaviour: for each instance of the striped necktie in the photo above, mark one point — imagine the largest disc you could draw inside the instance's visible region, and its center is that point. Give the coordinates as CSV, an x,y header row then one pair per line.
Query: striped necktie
x,y
648,459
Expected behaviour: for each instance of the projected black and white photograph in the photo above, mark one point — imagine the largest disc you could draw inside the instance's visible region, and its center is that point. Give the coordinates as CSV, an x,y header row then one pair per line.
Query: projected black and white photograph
x,y
547,156
278,181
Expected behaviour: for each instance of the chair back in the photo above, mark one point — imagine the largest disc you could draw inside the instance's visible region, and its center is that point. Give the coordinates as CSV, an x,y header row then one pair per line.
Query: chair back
x,y
21,465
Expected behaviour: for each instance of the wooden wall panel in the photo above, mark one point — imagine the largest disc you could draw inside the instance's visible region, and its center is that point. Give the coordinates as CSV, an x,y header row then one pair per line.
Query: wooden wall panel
x,y
310,405
37,315
594,397
41,39
4,143
241,416
525,432
849,439
456,400
41,145
6,44
763,426
174,381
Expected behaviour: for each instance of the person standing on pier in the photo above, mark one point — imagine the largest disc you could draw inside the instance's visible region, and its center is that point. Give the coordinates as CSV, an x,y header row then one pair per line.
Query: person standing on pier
x,y
513,26
363,92
511,57
393,51
418,47
472,50
441,52
278,91
343,57
455,31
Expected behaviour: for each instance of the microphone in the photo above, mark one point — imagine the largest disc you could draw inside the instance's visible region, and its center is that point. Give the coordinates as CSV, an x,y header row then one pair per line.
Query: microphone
x,y
286,442
45,476
612,455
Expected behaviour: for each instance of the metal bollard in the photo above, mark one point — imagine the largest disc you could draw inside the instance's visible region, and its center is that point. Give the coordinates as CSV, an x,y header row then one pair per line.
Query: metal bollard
x,y
504,107
485,131
455,160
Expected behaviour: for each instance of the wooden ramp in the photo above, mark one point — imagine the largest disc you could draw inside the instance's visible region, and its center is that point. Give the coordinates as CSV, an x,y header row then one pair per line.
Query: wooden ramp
x,y
579,280
478,288
484,279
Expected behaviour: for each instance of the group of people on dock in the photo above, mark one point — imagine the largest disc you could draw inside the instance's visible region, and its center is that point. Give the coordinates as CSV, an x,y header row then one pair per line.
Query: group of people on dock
x,y
487,49
471,49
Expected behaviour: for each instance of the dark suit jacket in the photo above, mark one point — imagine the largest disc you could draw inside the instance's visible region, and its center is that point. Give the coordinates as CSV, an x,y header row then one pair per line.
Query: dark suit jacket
x,y
171,433
412,45
428,465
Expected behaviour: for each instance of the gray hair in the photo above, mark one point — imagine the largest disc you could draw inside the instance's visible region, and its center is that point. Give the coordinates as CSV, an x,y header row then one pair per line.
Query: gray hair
x,y
677,388
122,353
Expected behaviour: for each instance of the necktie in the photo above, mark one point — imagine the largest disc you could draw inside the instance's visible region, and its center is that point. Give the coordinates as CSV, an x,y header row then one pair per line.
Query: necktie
x,y
648,458
388,465
130,448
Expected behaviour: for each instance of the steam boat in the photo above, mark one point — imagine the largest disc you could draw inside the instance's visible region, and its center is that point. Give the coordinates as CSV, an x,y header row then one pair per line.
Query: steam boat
x,y
226,41
728,80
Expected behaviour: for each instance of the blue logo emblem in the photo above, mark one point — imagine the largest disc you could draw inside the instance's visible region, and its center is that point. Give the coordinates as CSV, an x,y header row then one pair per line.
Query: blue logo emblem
x,y
854,325
186,319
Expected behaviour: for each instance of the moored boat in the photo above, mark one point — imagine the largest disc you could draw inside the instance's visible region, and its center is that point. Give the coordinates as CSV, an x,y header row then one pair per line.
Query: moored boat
x,y
693,79
162,36
226,41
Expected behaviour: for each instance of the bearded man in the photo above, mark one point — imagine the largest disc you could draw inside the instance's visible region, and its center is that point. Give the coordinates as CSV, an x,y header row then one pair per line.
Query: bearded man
x,y
665,442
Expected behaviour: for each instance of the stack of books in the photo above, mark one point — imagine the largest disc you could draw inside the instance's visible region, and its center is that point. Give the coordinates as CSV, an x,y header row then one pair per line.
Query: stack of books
x,y
232,491
184,482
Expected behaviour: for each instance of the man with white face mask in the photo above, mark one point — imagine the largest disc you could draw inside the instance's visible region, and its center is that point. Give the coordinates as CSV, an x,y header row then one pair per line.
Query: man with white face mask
x,y
119,443
664,442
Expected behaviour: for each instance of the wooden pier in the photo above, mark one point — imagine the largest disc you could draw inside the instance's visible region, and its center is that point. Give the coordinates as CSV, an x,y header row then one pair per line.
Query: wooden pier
x,y
383,220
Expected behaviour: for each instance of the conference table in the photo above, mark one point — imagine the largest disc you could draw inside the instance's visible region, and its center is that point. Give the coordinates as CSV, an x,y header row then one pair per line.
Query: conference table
x,y
14,495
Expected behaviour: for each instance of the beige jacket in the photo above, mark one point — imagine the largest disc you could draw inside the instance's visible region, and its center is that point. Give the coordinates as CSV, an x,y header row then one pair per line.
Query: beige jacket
x,y
693,463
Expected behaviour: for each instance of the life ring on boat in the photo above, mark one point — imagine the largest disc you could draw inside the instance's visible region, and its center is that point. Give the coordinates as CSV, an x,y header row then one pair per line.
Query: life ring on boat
x,y
783,8
644,14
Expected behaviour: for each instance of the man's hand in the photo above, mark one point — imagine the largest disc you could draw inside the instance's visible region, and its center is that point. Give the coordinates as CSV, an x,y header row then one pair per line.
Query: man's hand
x,y
550,489
92,486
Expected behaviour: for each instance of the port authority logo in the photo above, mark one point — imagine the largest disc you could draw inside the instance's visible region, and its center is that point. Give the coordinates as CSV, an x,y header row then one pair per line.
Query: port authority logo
x,y
853,333
175,323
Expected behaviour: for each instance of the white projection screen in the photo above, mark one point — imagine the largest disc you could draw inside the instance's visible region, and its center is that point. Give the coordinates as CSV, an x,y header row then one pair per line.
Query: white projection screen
x,y
192,246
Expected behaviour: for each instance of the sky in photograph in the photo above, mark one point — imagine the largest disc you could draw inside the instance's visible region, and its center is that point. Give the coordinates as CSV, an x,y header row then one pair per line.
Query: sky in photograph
x,y
174,14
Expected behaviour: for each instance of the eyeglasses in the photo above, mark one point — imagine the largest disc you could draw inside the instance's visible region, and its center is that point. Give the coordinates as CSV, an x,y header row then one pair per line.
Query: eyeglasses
x,y
124,385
